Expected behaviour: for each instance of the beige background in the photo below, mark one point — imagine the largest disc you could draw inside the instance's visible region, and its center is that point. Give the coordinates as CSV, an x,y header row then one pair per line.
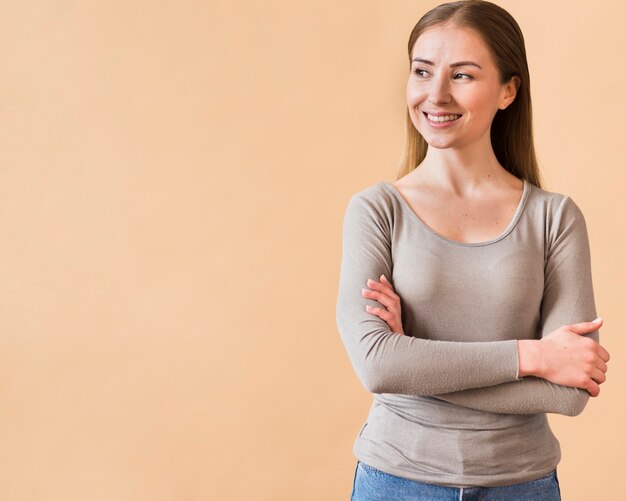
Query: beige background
x,y
173,177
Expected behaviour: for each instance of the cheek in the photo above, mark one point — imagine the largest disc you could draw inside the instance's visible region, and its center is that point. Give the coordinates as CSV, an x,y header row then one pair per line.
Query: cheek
x,y
413,95
481,103
477,103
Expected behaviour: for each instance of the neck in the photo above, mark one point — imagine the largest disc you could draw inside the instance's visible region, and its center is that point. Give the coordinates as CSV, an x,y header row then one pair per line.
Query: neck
x,y
463,169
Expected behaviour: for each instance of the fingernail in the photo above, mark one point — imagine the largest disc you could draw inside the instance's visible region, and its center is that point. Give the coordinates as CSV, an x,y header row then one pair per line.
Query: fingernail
x,y
597,320
383,277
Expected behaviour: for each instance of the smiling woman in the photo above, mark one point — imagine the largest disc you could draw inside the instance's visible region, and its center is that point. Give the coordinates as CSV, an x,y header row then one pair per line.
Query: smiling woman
x,y
465,299
451,92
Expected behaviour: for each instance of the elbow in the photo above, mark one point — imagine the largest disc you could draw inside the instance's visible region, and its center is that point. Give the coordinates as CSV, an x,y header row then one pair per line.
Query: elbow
x,y
370,369
577,403
371,380
377,377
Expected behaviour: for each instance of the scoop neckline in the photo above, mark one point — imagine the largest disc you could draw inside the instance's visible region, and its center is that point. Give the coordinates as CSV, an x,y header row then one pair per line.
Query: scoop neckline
x,y
420,222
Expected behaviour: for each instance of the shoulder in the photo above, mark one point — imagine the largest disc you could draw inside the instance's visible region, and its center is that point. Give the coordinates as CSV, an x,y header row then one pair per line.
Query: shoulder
x,y
373,194
562,216
548,198
375,199
556,205
374,207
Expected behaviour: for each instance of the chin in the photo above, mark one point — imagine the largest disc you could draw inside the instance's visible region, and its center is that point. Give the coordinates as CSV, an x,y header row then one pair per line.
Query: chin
x,y
438,143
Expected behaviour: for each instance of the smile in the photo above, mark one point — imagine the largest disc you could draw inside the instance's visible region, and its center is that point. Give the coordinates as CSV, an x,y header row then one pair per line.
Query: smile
x,y
442,119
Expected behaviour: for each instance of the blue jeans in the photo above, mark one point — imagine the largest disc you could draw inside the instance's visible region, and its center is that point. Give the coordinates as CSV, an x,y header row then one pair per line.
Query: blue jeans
x,y
371,484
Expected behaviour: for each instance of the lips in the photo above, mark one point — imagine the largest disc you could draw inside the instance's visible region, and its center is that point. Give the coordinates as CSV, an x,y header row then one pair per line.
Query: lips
x,y
442,117
440,113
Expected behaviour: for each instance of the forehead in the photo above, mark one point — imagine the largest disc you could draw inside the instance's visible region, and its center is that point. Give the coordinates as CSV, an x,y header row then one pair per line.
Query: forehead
x,y
451,42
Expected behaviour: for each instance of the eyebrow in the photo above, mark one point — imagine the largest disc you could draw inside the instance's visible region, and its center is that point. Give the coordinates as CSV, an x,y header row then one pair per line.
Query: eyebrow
x,y
453,65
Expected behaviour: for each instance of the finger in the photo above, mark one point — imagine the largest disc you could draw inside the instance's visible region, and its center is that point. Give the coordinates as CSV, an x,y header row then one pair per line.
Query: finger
x,y
383,278
380,312
389,302
387,317
372,284
603,354
585,327
598,376
593,389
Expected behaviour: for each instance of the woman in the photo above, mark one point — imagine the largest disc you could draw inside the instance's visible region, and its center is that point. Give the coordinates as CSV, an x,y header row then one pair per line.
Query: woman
x,y
465,295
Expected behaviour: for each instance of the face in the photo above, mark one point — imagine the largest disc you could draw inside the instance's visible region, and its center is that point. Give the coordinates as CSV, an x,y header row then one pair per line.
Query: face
x,y
471,89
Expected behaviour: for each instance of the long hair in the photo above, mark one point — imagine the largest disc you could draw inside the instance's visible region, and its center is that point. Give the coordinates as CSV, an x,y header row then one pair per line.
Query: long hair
x,y
511,129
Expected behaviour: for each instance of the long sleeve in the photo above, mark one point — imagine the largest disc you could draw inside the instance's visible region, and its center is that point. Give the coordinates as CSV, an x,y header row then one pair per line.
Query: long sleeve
x,y
568,298
388,362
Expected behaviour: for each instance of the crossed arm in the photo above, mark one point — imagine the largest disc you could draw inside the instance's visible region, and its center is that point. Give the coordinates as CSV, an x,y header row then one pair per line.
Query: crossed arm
x,y
568,298
387,362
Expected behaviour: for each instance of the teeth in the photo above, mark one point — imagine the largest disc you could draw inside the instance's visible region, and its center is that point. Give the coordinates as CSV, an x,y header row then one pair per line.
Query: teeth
x,y
445,118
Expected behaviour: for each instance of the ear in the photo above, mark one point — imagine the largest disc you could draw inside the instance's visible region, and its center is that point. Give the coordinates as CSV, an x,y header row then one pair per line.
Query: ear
x,y
509,92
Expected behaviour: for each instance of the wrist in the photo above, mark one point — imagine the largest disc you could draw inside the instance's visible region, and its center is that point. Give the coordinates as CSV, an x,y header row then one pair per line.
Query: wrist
x,y
529,357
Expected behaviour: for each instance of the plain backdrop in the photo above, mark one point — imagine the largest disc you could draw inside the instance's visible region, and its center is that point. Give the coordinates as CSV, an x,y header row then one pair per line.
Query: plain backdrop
x,y
173,177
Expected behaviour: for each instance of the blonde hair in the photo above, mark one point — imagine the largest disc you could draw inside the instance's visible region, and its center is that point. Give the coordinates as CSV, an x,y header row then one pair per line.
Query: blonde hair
x,y
511,129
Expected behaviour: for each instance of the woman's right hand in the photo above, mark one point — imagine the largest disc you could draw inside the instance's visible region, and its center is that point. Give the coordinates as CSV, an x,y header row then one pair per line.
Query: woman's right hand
x,y
567,358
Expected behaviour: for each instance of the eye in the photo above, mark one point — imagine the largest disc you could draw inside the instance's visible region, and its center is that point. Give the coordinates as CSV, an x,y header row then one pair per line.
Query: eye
x,y
418,71
469,77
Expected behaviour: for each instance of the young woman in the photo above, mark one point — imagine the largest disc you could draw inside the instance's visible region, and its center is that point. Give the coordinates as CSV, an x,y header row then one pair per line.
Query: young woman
x,y
465,297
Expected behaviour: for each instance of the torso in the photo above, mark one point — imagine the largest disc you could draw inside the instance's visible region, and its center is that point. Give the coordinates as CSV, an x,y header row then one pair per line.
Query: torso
x,y
459,294
463,220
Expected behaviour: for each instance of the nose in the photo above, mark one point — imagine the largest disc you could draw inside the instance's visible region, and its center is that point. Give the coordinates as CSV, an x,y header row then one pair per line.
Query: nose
x,y
439,92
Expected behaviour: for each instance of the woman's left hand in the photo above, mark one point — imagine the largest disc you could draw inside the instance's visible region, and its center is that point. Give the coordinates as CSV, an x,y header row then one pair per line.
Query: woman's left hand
x,y
383,293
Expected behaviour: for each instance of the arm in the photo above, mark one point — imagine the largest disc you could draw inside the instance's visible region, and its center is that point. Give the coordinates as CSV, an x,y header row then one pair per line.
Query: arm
x,y
568,298
388,362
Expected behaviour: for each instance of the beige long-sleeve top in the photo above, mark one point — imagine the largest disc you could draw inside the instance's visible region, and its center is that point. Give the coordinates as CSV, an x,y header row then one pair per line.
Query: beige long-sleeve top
x,y
448,405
